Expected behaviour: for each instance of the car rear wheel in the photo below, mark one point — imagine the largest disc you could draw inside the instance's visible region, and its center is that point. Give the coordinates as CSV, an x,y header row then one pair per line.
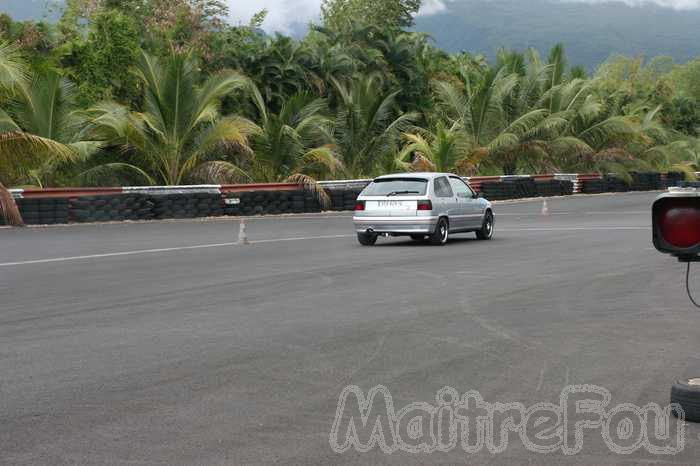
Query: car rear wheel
x,y
367,239
486,231
442,232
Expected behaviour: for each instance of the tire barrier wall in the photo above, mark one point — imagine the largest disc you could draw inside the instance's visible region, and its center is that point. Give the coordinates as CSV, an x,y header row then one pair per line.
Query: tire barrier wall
x,y
247,203
525,188
44,211
646,181
59,206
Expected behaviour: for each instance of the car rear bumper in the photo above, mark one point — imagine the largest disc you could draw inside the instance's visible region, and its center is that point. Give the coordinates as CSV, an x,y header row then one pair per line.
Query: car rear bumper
x,y
400,225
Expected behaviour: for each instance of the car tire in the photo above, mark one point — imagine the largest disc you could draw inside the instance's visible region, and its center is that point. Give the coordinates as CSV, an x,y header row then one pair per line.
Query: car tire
x,y
686,394
418,237
486,232
367,239
441,234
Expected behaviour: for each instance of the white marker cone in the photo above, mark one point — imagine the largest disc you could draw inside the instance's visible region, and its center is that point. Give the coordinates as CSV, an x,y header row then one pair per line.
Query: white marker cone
x,y
545,208
242,235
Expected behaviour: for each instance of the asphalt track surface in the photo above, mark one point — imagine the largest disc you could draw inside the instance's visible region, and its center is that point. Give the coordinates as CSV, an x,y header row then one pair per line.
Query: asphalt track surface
x,y
167,343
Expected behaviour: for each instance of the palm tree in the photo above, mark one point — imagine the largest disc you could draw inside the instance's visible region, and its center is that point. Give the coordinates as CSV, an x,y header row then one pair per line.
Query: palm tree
x,y
529,113
492,107
327,61
46,108
180,133
411,61
690,152
18,148
297,140
367,125
363,43
593,138
685,157
278,69
445,150
660,149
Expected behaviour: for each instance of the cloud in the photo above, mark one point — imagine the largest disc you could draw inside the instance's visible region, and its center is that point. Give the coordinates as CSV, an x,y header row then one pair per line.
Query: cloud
x,y
675,4
283,15
432,7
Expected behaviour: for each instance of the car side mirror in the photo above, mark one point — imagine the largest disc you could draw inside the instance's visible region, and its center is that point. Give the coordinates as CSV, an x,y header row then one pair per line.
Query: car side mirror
x,y
477,195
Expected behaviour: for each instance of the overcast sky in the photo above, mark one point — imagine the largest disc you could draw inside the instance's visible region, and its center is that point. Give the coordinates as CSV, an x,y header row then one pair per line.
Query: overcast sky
x,y
285,13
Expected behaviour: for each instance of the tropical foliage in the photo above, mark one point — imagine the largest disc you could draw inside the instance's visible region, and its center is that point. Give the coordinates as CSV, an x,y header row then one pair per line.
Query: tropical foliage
x,y
167,92
180,133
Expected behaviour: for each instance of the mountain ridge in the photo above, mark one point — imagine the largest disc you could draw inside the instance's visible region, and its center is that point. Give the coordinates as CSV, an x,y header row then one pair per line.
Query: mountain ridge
x,y
590,32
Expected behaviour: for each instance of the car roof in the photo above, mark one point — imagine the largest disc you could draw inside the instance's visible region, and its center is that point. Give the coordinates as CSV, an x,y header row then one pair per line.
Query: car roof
x,y
423,175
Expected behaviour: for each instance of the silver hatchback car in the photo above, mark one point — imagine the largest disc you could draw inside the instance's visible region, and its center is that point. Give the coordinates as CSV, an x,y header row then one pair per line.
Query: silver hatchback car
x,y
423,206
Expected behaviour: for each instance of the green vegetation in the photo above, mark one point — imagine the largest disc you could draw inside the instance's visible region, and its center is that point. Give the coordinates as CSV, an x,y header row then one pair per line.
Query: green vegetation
x,y
166,92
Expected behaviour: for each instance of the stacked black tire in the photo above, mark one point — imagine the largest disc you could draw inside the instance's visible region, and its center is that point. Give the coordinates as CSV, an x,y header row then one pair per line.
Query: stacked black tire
x,y
141,206
525,187
498,191
343,199
45,211
311,203
613,184
593,186
519,188
645,181
642,181
187,205
265,203
673,179
110,208
551,188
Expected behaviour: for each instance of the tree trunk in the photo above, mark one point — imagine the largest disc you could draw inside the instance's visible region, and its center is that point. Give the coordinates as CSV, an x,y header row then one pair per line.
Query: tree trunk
x,y
509,168
8,208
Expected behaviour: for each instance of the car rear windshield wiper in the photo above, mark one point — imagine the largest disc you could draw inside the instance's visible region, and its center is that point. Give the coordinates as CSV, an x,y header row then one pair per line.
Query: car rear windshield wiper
x,y
396,193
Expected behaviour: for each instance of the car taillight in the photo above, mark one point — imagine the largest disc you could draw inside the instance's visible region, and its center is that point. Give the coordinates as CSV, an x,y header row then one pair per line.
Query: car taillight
x,y
425,205
360,205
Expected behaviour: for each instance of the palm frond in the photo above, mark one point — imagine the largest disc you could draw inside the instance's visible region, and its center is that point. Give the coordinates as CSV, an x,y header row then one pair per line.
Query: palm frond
x,y
569,146
19,146
452,102
321,157
13,71
613,127
502,141
214,89
527,122
312,186
220,172
234,132
115,174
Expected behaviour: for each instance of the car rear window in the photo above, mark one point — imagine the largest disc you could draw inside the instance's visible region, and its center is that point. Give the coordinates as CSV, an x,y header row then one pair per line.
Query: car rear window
x,y
397,187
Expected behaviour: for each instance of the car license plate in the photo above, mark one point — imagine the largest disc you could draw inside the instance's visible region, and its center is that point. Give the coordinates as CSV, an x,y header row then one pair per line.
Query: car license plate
x,y
402,206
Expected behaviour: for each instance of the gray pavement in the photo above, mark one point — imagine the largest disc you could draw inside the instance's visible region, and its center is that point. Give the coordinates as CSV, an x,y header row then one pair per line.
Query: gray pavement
x,y
166,343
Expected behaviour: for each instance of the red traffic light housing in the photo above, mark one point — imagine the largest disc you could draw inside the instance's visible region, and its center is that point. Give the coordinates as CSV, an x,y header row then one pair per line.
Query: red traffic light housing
x,y
676,223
